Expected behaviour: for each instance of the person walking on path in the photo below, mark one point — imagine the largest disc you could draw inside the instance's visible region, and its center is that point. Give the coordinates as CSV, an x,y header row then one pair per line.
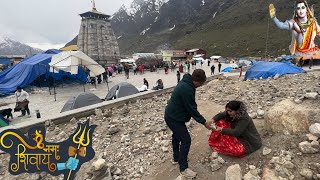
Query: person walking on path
x,y
240,70
300,62
209,62
126,70
22,102
109,75
134,68
145,82
219,67
181,107
142,69
181,68
311,62
178,76
212,69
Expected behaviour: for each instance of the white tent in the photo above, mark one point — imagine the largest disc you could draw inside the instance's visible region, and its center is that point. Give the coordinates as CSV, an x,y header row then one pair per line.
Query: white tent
x,y
127,61
199,59
198,56
215,57
69,61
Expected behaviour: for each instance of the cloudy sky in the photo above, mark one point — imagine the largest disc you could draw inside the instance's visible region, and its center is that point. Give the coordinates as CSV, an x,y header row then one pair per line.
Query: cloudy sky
x,y
48,23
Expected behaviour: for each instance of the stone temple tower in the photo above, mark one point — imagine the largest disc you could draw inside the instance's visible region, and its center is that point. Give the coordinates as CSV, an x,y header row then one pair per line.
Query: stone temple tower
x,y
96,38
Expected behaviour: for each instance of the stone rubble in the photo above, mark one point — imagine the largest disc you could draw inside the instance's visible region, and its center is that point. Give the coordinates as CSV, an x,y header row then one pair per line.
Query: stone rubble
x,y
306,173
315,129
214,161
253,173
309,147
234,172
281,166
312,137
312,95
266,151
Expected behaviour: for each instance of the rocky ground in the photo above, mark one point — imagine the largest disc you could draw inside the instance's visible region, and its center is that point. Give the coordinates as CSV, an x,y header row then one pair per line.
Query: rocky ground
x,y
133,142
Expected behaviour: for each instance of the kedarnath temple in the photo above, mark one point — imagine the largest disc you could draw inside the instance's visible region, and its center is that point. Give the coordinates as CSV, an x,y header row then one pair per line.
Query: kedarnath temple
x,y
96,37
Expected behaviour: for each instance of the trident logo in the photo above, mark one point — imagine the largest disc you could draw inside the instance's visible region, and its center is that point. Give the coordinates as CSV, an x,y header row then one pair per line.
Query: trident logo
x,y
82,139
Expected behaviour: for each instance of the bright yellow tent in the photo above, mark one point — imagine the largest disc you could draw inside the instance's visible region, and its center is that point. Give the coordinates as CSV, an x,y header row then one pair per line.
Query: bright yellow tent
x,y
70,48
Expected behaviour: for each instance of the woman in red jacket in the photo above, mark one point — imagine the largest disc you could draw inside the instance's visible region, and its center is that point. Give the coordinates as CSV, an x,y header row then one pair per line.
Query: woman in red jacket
x,y
234,132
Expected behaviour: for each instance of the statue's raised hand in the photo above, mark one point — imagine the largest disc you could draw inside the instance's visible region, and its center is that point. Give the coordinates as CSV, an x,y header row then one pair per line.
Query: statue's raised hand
x,y
272,11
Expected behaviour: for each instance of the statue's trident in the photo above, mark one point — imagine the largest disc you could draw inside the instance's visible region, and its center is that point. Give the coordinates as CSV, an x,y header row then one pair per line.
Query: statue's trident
x,y
80,140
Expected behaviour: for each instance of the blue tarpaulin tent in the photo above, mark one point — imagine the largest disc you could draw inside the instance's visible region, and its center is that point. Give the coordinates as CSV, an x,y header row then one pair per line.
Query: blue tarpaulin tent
x,y
25,72
270,69
286,61
53,51
289,57
227,69
5,61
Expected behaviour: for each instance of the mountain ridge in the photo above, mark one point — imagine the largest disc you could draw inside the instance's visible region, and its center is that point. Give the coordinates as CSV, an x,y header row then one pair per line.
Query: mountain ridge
x,y
222,27
12,47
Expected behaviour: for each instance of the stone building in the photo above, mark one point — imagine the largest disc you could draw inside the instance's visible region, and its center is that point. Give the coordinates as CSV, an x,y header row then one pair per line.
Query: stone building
x,y
96,38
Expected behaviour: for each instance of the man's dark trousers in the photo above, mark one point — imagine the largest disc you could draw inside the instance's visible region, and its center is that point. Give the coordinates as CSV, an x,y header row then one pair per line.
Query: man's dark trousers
x,y
181,142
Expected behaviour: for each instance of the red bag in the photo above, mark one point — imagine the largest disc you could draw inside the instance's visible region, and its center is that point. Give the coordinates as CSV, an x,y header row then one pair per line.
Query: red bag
x,y
225,144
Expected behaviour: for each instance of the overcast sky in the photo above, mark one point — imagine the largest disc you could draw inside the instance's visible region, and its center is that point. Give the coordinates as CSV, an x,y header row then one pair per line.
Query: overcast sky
x,y
48,23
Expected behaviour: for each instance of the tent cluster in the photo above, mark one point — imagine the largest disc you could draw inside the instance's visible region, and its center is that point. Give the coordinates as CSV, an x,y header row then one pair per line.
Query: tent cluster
x,y
81,100
51,65
86,99
242,63
264,70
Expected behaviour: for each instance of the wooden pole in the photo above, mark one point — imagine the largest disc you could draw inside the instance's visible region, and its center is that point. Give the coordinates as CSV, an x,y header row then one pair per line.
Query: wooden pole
x,y
54,88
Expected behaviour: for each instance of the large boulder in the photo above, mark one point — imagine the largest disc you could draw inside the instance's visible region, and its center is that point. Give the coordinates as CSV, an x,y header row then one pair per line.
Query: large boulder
x,y
288,117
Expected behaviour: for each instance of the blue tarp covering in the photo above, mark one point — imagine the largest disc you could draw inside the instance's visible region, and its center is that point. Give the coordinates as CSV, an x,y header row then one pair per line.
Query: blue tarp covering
x,y
53,51
270,69
5,61
227,69
286,61
25,72
289,57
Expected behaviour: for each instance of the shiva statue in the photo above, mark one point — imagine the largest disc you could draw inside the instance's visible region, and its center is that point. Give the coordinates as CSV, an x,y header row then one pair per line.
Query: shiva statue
x,y
304,27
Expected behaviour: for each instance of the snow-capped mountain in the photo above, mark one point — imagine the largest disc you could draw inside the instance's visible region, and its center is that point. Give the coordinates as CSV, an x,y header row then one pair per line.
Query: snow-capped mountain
x,y
138,4
224,27
138,17
11,47
2,40
157,17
